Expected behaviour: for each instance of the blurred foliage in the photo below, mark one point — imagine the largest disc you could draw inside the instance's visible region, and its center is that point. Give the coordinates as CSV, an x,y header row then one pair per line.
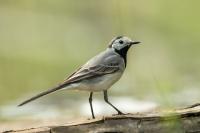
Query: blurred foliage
x,y
42,41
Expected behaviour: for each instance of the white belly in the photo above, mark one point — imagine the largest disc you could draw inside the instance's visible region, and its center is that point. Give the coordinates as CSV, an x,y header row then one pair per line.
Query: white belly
x,y
96,84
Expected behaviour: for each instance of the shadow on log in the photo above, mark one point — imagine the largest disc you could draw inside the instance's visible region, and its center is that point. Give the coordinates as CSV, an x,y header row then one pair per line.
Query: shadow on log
x,y
177,121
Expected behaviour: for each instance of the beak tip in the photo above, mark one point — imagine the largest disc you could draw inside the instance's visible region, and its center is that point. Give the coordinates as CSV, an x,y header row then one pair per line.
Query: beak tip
x,y
136,42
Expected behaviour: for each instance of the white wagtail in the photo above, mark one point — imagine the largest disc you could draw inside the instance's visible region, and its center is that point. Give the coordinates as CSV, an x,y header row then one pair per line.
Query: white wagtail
x,y
99,73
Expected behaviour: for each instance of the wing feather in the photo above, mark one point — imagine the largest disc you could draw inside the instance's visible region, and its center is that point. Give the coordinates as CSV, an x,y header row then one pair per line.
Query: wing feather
x,y
94,71
80,74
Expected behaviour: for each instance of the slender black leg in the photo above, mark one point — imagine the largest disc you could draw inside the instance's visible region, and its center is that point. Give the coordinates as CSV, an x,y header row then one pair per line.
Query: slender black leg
x,y
90,101
106,100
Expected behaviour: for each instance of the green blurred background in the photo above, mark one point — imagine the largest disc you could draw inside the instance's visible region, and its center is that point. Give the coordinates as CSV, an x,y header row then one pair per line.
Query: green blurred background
x,y
43,41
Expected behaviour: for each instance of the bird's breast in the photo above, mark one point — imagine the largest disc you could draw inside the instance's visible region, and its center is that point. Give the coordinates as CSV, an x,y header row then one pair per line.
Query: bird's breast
x,y
100,83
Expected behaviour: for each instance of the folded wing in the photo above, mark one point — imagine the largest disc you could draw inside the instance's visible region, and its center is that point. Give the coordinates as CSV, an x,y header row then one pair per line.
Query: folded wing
x,y
80,74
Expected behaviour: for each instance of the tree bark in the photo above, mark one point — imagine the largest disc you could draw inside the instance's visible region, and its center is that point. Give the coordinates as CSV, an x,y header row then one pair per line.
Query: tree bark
x,y
175,121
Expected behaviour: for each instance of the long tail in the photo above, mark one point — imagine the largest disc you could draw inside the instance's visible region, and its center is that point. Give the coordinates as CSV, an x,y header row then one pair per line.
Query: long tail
x,y
43,93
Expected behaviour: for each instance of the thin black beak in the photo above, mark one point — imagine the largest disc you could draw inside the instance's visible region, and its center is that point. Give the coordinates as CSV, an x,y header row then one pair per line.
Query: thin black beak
x,y
132,43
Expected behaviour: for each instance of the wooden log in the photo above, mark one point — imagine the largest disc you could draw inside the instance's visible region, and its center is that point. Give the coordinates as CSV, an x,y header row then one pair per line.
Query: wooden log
x,y
185,120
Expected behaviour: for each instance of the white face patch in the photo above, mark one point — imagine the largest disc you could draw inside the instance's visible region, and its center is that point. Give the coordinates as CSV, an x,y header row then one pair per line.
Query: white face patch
x,y
121,43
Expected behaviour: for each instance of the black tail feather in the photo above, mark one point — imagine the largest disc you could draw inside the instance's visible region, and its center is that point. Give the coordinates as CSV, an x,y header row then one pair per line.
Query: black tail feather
x,y
42,94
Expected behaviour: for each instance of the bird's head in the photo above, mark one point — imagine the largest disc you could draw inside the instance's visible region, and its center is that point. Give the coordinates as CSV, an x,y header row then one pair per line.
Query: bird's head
x,y
122,42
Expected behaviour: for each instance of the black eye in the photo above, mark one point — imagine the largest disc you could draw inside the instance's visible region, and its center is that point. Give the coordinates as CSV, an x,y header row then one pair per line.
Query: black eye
x,y
121,42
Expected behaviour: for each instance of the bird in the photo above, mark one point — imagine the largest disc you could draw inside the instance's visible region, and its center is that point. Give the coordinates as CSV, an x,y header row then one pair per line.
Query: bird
x,y
98,74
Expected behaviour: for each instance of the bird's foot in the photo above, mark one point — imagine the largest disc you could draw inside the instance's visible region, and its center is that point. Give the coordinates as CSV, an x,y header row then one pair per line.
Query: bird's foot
x,y
119,113
91,118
